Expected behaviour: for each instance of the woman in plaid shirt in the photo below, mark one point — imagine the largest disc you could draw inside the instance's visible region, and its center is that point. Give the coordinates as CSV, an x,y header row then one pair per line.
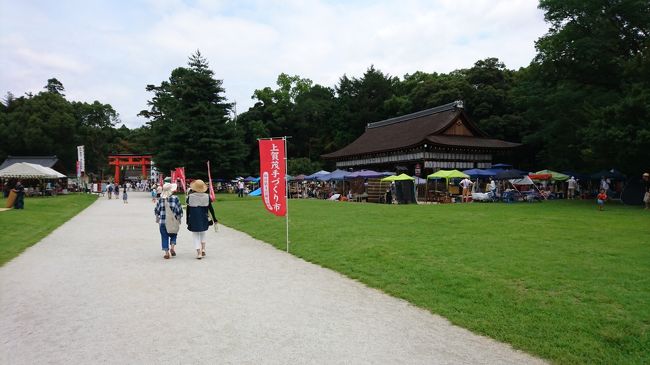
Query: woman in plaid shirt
x,y
168,196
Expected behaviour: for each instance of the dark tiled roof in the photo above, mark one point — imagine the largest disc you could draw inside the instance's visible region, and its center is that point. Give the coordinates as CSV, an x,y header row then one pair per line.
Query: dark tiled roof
x,y
47,161
463,141
396,133
414,129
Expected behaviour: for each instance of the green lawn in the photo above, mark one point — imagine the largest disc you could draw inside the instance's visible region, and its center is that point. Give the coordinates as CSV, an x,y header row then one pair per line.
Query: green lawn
x,y
23,228
557,279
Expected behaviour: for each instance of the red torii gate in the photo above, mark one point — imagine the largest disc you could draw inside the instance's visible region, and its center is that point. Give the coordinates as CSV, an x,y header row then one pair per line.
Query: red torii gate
x,y
130,160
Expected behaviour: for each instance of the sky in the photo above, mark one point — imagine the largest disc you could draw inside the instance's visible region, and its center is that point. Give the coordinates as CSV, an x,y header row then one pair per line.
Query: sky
x,y
110,50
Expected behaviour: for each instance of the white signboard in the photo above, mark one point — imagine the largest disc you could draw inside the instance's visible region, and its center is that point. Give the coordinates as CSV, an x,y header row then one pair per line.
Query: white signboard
x,y
81,158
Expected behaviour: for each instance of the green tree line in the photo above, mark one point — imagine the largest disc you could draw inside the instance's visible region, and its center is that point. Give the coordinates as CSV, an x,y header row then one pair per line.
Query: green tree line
x,y
583,103
49,124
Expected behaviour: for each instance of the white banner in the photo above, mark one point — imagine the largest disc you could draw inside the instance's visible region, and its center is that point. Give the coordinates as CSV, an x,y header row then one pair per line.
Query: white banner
x,y
81,158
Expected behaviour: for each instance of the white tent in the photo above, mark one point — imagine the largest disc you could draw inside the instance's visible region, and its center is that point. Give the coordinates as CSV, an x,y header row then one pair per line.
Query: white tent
x,y
523,181
24,170
48,170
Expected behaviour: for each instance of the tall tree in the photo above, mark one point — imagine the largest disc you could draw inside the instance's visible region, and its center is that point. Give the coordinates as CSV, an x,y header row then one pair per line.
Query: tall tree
x,y
95,130
54,86
190,122
585,89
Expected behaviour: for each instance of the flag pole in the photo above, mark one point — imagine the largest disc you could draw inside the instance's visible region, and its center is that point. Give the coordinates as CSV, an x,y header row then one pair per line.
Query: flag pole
x,y
286,188
286,183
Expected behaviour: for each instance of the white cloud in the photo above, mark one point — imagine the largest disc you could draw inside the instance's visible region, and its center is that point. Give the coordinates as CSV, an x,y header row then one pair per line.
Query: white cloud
x,y
113,57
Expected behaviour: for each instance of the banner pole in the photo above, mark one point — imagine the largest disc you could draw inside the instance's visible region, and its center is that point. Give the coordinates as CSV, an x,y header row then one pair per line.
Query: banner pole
x,y
286,188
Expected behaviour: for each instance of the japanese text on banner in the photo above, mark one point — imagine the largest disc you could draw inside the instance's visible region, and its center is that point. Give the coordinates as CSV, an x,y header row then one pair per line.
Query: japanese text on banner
x,y
273,175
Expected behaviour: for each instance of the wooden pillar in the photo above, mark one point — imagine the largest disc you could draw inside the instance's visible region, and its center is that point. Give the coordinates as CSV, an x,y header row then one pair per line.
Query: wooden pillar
x,y
117,171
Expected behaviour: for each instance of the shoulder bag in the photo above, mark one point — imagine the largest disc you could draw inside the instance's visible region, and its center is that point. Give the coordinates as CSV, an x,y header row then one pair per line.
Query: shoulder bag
x,y
171,223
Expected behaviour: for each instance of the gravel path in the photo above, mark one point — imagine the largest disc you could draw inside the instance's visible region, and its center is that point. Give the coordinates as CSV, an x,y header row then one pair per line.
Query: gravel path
x,y
97,290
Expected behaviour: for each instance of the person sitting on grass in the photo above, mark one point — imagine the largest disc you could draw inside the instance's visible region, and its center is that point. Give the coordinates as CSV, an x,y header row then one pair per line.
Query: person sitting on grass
x,y
601,198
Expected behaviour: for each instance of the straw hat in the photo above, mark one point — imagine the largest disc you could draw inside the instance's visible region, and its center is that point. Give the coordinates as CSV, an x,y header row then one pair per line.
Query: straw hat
x,y
168,189
199,186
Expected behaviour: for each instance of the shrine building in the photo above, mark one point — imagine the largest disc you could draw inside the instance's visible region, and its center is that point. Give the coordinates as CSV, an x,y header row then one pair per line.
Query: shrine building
x,y
423,142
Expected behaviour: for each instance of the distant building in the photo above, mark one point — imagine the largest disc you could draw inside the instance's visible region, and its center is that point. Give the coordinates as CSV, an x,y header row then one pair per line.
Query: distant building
x,y
438,138
47,161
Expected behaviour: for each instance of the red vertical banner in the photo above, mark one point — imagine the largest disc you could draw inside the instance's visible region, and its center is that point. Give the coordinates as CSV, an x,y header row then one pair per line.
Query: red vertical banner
x,y
180,175
273,175
174,177
210,183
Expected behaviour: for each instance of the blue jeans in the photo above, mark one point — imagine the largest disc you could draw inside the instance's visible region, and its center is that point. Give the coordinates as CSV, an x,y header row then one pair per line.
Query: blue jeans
x,y
166,237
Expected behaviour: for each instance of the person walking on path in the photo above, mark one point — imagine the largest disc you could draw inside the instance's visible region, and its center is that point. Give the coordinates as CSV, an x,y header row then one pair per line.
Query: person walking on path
x,y
198,206
117,191
601,198
466,184
168,212
109,189
125,197
646,190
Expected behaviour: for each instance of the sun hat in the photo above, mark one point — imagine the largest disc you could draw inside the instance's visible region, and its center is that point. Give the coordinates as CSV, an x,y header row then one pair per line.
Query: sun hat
x,y
168,189
199,186
646,174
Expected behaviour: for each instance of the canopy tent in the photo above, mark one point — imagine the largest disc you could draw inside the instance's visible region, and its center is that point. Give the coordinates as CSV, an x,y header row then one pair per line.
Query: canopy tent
x,y
249,179
364,174
540,176
510,174
633,193
523,181
556,176
478,173
501,166
404,188
297,177
336,175
25,170
50,170
401,177
526,180
256,192
608,174
316,174
447,174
